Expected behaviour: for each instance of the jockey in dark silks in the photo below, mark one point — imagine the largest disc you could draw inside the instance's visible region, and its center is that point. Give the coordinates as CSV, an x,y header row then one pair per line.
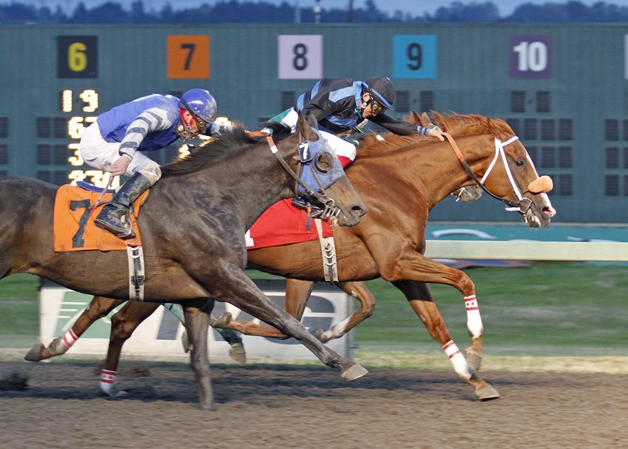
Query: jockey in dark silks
x,y
344,105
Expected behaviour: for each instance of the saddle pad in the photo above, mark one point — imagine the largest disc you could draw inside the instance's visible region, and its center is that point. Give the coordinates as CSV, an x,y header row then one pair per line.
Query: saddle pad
x,y
74,228
283,224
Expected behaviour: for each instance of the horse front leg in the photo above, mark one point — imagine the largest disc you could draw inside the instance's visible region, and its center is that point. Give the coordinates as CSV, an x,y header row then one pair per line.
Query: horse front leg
x,y
420,299
419,268
123,324
244,294
197,325
99,307
296,297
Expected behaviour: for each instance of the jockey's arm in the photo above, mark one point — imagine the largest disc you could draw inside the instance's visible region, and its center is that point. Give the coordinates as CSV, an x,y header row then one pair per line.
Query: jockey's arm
x,y
404,128
151,120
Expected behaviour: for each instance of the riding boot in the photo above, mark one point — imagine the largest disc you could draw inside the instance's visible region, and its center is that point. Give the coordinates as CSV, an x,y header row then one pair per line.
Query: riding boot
x,y
110,218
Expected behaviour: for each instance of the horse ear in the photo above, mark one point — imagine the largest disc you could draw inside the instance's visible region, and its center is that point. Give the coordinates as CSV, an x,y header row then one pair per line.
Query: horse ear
x,y
415,118
307,125
424,120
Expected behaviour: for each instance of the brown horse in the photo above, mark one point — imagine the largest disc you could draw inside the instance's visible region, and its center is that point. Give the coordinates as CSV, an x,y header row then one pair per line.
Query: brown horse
x,y
197,213
400,179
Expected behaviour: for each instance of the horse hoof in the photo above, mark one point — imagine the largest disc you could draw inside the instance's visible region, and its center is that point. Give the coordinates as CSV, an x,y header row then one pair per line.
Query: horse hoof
x,y
224,320
487,393
34,355
238,353
114,393
354,372
474,359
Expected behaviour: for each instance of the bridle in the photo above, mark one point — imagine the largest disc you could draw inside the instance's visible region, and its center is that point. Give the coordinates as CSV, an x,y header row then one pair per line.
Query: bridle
x,y
523,204
329,208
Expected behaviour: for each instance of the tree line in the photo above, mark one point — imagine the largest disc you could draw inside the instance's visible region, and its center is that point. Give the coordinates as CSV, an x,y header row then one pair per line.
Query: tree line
x,y
232,11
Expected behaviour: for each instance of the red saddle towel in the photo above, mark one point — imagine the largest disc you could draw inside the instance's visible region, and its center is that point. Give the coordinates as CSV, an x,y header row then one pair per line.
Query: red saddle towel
x,y
283,224
74,228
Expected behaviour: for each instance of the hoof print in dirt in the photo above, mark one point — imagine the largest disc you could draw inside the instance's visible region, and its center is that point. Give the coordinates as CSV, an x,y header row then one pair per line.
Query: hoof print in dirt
x,y
14,382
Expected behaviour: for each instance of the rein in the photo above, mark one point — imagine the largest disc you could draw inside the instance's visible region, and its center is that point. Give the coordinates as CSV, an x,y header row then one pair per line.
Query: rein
x,y
329,205
521,206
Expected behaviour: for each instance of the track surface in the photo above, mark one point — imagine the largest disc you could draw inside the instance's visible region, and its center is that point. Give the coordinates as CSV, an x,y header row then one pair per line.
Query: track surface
x,y
285,407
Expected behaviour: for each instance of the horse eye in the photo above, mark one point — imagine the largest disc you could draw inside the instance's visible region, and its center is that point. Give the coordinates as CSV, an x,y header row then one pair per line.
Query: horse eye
x,y
323,163
519,162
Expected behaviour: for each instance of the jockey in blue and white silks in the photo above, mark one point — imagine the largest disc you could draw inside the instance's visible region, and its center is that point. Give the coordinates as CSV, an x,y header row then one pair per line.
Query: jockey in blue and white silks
x,y
114,143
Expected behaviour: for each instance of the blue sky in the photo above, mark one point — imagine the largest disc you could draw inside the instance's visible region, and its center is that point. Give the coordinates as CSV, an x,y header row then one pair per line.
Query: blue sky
x,y
416,7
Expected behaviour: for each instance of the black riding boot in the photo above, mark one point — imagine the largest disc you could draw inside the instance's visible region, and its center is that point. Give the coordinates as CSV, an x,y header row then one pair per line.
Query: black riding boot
x,y
110,218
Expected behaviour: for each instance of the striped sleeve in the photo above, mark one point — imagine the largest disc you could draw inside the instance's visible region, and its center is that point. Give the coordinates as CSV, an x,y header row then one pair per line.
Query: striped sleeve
x,y
151,120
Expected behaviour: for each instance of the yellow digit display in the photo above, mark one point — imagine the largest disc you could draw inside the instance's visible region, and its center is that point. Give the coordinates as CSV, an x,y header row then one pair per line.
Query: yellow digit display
x,y
76,127
90,98
77,56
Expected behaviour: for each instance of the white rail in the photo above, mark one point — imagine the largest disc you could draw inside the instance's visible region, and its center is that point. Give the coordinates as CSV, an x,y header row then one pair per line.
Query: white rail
x,y
528,250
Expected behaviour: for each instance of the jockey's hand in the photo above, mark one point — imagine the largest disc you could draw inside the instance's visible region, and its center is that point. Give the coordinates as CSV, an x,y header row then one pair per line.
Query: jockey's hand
x,y
119,167
436,132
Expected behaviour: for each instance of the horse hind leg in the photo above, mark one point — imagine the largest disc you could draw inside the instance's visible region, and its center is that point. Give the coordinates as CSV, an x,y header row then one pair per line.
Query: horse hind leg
x,y
367,306
98,308
123,324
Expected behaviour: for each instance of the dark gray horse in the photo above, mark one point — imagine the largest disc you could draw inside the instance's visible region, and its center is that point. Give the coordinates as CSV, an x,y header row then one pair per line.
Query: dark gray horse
x,y
192,227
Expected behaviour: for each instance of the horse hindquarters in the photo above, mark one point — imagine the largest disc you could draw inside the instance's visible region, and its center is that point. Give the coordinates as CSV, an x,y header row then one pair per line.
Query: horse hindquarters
x,y
26,216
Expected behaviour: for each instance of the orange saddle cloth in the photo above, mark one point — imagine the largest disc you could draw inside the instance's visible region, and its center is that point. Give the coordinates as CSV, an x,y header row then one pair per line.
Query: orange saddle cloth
x,y
74,228
283,224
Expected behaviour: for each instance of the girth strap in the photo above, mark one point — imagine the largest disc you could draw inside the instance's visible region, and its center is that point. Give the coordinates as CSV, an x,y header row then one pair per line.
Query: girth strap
x,y
328,250
135,256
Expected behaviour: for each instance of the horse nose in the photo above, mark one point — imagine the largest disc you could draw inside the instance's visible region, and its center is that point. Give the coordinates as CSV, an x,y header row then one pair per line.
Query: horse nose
x,y
549,212
359,210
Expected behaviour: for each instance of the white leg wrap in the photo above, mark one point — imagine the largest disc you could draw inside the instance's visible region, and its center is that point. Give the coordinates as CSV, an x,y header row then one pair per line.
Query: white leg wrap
x,y
69,339
457,360
108,384
474,320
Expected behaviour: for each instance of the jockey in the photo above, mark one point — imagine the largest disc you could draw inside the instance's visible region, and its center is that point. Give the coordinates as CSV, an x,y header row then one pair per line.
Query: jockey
x,y
115,142
342,106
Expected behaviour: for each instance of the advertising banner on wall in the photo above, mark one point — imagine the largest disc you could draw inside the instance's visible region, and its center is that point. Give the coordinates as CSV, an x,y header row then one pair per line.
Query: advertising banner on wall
x,y
159,336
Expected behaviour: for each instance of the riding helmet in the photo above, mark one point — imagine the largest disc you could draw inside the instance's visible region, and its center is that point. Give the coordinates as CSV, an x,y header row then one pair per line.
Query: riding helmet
x,y
382,89
200,103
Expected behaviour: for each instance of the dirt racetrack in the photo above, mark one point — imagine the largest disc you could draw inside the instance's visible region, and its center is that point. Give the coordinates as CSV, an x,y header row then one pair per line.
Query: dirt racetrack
x,y
307,407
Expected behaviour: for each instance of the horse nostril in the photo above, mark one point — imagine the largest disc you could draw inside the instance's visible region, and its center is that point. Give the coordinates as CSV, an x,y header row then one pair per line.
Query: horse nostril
x,y
549,211
358,211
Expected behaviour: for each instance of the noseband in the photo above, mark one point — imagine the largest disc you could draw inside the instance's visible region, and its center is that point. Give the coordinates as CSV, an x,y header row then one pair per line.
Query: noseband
x,y
523,204
329,208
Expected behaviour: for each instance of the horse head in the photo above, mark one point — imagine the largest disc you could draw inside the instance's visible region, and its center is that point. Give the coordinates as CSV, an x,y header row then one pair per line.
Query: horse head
x,y
321,180
508,172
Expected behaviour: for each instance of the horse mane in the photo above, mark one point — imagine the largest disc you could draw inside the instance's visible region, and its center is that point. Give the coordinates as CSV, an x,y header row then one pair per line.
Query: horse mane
x,y
208,152
472,124
455,124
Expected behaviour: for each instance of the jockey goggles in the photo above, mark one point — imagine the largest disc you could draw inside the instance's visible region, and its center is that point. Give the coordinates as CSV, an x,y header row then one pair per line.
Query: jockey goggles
x,y
376,107
200,123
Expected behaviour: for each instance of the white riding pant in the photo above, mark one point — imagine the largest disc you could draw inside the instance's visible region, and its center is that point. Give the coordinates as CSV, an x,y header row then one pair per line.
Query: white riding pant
x,y
100,154
339,146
